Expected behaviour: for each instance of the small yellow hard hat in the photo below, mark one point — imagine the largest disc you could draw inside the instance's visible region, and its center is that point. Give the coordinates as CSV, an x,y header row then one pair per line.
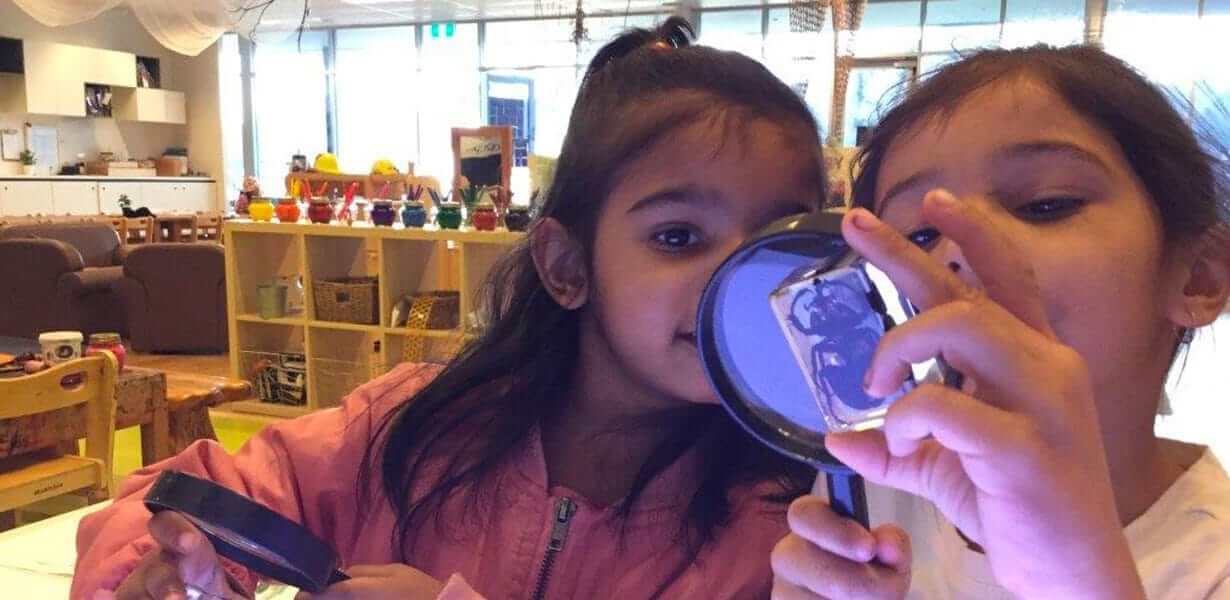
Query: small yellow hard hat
x,y
326,163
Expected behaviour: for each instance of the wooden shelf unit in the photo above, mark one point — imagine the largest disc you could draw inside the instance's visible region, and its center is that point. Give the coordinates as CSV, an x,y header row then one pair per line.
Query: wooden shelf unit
x,y
340,356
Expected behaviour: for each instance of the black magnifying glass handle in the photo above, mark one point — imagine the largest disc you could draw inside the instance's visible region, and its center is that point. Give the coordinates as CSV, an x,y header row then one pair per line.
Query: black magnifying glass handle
x,y
848,497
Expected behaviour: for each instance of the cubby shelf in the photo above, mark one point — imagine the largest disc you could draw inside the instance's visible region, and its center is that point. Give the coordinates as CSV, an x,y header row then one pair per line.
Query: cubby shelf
x,y
338,355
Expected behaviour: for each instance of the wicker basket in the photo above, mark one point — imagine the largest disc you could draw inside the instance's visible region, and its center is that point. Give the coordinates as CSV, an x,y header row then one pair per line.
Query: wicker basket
x,y
349,300
434,310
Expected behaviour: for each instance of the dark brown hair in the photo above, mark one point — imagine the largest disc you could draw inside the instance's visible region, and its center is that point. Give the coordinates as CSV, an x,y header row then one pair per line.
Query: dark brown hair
x,y
1184,175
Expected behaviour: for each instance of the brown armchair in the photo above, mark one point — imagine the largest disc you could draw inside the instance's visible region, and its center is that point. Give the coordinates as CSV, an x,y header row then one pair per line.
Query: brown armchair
x,y
175,297
60,276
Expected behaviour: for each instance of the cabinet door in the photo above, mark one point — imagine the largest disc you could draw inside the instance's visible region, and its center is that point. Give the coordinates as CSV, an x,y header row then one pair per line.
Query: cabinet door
x,y
75,197
198,196
109,67
109,193
22,198
160,196
174,107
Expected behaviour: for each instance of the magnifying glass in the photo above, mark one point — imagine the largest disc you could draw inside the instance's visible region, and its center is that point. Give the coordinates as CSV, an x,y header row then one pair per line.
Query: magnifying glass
x,y
786,329
248,533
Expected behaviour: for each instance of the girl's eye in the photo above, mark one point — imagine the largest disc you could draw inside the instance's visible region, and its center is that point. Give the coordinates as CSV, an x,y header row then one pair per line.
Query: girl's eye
x,y
924,238
1049,209
675,239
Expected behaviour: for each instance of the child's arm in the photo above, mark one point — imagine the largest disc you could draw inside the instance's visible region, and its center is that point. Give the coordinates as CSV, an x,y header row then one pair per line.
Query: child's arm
x,y
303,469
1015,462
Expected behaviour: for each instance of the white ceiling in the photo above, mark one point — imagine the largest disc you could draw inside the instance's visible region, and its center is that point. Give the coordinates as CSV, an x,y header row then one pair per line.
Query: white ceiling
x,y
326,13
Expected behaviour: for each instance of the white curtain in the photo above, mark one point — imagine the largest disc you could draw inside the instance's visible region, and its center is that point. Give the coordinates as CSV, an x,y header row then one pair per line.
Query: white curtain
x,y
185,26
58,13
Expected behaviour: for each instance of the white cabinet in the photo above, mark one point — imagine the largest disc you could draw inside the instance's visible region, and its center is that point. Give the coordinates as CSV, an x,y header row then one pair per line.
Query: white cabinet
x,y
108,67
181,197
74,197
150,105
22,198
109,193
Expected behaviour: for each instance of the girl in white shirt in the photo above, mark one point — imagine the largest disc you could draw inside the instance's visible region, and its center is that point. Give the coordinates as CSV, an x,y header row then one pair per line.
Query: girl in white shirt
x,y
1062,228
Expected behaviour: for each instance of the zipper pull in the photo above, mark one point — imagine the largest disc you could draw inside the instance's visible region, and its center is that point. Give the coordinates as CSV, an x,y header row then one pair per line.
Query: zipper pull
x,y
564,509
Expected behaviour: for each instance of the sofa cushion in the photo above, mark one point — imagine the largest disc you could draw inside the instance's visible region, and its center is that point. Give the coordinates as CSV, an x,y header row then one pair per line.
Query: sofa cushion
x,y
97,242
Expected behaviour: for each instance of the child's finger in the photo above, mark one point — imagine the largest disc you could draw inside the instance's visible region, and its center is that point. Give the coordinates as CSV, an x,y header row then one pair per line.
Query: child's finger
x,y
920,277
893,547
812,519
174,532
802,563
980,339
162,579
1004,272
785,590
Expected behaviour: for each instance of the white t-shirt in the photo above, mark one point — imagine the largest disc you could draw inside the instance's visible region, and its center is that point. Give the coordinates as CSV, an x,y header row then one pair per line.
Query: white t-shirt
x,y
1181,544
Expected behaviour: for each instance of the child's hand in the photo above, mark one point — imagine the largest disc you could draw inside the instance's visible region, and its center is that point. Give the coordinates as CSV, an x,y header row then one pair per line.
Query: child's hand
x,y
1017,464
828,556
381,582
186,558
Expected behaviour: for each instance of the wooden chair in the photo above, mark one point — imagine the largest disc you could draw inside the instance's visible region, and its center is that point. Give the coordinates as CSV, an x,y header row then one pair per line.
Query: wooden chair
x,y
87,388
209,227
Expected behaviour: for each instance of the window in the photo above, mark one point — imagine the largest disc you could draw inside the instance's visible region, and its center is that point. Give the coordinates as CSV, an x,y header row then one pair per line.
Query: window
x,y
1056,22
960,25
537,43
737,30
799,59
889,29
1159,37
377,97
289,98
449,92
1212,98
230,96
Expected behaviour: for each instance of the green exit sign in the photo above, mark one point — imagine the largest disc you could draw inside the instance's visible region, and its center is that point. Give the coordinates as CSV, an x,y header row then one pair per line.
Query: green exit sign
x,y
449,29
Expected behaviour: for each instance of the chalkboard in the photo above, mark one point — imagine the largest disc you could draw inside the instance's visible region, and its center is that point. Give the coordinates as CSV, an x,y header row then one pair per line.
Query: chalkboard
x,y
482,156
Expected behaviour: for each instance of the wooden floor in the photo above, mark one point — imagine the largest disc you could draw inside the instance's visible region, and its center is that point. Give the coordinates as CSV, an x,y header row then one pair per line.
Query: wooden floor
x,y
217,365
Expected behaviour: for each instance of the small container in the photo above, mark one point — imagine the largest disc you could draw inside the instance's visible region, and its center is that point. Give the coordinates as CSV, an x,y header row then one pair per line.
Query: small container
x,y
484,216
60,346
320,211
261,209
383,213
110,342
518,218
449,216
271,300
413,214
288,210
360,211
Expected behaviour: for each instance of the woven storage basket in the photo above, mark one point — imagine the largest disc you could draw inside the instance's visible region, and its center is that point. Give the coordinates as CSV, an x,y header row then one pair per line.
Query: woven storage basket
x,y
434,310
348,300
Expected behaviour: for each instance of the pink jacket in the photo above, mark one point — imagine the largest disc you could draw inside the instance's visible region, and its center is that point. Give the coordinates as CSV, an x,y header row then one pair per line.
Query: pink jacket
x,y
305,469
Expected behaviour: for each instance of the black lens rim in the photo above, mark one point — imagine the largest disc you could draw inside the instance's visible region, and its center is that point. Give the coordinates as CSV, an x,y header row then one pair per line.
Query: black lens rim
x,y
314,562
817,228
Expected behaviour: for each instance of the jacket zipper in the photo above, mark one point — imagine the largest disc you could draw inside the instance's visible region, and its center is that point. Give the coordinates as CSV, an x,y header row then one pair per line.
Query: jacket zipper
x,y
565,508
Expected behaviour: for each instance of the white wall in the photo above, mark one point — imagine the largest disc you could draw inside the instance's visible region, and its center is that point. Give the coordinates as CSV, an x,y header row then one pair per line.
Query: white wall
x,y
118,29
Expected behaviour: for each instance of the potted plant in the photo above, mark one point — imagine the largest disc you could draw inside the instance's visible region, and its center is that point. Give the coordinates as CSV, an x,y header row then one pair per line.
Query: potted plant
x,y
27,162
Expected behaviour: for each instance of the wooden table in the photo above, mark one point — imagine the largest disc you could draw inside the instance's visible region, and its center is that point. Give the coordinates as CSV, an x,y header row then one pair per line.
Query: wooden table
x,y
170,228
140,400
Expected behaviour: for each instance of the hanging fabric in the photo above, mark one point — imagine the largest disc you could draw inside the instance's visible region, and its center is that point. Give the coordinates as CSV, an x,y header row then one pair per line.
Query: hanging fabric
x,y
58,13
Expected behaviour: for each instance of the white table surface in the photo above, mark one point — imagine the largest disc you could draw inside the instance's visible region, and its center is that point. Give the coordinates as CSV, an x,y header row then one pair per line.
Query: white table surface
x,y
36,561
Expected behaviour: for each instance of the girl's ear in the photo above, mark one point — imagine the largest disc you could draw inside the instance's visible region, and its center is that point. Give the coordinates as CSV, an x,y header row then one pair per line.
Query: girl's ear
x,y
1203,282
560,261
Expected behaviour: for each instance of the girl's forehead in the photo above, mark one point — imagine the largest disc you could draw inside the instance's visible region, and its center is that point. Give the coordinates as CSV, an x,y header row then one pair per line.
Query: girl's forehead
x,y
969,133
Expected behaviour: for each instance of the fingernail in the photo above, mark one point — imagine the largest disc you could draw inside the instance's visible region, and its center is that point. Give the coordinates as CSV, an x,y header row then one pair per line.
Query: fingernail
x,y
863,220
943,199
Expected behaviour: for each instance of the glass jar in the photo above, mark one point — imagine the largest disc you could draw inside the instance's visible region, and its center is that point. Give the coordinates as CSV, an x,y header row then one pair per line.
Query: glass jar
x,y
413,214
110,342
261,209
287,210
320,211
449,216
383,214
484,216
518,218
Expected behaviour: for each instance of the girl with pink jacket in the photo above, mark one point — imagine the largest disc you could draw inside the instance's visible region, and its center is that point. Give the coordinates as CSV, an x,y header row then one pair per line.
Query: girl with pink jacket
x,y
575,449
